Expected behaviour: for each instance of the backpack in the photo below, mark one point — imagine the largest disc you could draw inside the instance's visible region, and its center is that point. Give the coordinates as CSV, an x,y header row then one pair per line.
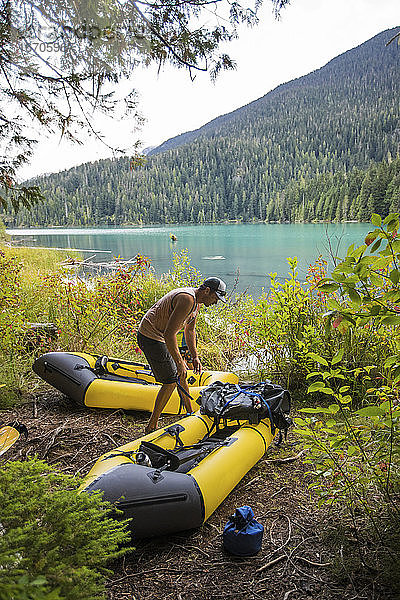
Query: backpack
x,y
247,402
243,534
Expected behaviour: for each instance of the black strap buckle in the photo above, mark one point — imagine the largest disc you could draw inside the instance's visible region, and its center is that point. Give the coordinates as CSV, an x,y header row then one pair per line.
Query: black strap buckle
x,y
174,431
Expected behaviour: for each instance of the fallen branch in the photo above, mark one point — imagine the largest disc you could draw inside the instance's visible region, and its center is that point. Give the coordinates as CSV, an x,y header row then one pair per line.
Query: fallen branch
x,y
55,433
109,437
271,563
286,460
278,492
300,544
252,481
289,531
312,563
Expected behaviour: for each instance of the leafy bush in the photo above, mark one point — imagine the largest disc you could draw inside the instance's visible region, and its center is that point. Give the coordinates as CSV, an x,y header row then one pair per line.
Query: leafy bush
x,y
54,543
224,335
22,300
286,325
354,452
354,458
98,314
183,272
294,324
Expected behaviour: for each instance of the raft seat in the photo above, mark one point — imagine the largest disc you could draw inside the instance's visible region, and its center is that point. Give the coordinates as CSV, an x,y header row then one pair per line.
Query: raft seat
x,y
183,458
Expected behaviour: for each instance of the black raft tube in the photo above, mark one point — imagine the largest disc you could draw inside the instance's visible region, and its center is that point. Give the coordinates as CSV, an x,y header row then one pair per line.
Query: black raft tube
x,y
159,502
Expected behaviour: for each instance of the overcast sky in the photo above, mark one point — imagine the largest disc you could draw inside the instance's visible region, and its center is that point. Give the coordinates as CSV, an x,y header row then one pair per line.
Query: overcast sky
x,y
309,34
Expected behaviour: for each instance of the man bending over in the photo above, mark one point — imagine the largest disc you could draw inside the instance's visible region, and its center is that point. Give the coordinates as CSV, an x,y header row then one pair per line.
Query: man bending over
x,y
157,338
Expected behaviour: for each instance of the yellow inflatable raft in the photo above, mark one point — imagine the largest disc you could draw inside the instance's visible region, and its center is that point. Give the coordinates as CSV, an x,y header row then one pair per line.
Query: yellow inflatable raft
x,y
174,479
99,381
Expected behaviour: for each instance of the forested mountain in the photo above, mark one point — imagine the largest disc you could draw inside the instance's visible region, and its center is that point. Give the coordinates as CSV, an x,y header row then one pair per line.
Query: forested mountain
x,y
307,150
340,196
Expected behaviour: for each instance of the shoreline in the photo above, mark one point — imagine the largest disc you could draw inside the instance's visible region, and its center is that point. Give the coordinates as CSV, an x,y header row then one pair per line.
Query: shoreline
x,y
128,226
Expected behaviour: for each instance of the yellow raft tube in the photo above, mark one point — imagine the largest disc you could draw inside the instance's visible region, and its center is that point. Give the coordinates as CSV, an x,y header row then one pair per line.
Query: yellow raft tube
x,y
174,478
99,381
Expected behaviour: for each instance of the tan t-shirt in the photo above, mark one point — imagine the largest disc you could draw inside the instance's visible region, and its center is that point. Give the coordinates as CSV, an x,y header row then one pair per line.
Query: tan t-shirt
x,y
155,321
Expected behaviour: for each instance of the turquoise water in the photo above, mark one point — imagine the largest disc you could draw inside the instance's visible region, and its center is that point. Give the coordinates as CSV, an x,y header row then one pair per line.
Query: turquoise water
x,y
253,250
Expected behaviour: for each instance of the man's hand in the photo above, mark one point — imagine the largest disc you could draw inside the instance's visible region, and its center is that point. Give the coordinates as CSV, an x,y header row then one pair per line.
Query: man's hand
x,y
197,368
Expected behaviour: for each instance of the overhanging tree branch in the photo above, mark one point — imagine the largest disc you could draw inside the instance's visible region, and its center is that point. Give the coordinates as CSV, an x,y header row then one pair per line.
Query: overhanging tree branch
x,y
100,43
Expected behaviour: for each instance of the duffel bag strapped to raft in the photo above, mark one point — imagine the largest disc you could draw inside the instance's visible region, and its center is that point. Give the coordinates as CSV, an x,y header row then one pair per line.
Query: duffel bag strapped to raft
x,y
243,534
247,402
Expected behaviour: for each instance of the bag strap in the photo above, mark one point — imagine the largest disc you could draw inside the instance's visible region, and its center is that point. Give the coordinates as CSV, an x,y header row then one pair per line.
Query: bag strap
x,y
247,392
181,390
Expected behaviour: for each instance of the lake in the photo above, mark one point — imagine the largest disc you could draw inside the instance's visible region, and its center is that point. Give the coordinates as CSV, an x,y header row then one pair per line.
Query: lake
x,y
253,249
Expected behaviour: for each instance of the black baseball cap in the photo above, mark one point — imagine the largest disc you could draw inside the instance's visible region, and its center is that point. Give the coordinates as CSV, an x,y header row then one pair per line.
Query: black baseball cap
x,y
216,285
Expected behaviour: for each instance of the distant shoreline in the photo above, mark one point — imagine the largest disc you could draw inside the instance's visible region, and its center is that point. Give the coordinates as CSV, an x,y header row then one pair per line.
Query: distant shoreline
x,y
127,226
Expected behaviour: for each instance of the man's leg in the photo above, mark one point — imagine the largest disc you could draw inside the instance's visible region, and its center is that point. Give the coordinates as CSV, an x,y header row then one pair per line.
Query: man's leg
x,y
162,398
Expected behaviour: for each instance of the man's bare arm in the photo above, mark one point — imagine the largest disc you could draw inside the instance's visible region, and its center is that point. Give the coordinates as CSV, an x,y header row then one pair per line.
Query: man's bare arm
x,y
183,307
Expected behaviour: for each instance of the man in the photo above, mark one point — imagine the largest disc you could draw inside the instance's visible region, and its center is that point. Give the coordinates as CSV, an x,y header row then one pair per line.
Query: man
x,y
157,338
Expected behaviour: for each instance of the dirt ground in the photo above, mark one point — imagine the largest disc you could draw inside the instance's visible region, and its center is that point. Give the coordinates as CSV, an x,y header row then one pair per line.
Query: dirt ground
x,y
299,557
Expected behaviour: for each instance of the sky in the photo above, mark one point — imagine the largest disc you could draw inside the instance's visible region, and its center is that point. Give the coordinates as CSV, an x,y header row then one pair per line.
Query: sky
x,y
309,34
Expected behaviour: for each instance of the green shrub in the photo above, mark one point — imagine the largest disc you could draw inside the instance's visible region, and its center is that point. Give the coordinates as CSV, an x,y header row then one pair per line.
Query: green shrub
x,y
224,334
286,324
353,452
183,272
28,589
98,314
22,300
54,543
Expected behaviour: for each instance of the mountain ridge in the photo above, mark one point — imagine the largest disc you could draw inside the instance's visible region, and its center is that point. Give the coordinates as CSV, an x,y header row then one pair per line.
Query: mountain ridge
x,y
190,135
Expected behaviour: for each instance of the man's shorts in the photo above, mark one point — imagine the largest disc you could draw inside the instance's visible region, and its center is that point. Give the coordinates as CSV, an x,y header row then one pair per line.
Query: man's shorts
x,y
161,362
